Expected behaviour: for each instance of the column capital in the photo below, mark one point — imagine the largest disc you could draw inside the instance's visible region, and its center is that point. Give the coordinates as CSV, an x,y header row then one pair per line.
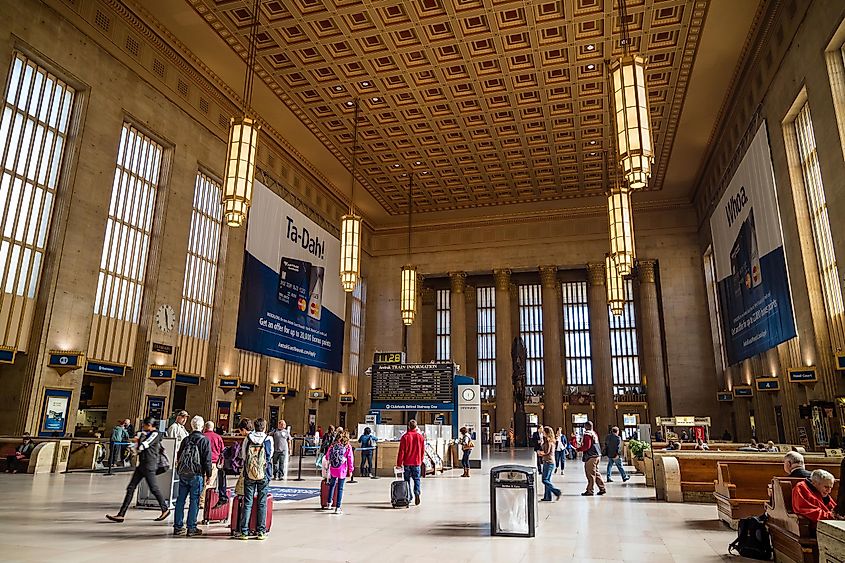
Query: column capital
x,y
645,270
459,281
595,273
548,276
502,279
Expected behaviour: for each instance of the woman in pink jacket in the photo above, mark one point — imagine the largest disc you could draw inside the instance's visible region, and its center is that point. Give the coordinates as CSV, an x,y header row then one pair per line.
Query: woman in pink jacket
x,y
341,464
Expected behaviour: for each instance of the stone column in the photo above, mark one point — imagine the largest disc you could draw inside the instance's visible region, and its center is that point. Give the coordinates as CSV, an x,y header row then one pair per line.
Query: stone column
x,y
458,319
600,347
552,361
415,331
651,351
504,384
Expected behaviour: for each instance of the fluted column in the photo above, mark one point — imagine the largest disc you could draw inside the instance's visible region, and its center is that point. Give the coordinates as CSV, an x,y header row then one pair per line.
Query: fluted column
x,y
552,361
504,371
600,347
651,354
458,319
415,330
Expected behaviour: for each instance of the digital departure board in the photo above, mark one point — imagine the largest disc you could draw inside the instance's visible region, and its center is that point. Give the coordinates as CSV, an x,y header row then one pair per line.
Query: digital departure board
x,y
418,383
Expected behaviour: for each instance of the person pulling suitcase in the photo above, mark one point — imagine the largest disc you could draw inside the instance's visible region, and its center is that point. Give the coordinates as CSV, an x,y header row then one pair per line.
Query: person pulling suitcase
x,y
410,457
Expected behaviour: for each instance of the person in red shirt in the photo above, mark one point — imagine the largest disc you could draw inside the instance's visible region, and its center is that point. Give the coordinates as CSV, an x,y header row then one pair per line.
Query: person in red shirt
x,y
811,497
218,478
591,456
410,456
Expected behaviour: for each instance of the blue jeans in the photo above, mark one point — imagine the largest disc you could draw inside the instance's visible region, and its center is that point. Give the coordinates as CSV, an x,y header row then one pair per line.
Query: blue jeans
x,y
560,459
193,486
413,472
618,463
251,490
336,481
465,459
366,462
548,469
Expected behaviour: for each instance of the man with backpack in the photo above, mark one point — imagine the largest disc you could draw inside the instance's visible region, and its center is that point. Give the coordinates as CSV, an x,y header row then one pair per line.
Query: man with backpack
x,y
193,465
257,453
591,455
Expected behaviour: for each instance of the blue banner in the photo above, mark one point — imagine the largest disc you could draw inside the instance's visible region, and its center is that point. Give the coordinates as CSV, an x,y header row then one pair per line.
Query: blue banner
x,y
750,265
291,303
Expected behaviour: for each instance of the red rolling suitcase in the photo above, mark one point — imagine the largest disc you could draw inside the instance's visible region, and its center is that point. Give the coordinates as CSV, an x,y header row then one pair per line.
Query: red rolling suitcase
x,y
212,515
324,494
237,505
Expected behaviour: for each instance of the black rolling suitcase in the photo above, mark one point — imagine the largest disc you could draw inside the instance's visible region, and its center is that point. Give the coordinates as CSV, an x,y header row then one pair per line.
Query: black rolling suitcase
x,y
400,494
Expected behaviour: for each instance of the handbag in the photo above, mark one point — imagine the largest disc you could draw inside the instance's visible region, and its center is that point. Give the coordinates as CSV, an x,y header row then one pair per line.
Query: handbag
x,y
163,463
468,446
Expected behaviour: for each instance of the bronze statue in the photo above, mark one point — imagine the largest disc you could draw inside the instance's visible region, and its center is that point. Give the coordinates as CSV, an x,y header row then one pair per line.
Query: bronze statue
x,y
519,360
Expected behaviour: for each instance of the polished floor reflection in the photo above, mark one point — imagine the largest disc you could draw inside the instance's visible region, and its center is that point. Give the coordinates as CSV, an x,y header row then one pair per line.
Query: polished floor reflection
x,y
60,517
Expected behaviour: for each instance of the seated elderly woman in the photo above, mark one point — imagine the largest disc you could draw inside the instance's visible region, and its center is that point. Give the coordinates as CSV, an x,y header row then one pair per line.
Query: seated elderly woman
x,y
811,497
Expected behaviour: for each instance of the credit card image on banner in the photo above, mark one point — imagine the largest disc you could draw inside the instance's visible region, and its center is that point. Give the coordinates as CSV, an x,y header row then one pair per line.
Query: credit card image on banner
x,y
294,282
315,292
745,263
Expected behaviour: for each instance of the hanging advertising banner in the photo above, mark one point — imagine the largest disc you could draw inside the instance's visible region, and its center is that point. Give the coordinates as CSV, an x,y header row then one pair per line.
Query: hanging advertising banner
x,y
292,304
751,276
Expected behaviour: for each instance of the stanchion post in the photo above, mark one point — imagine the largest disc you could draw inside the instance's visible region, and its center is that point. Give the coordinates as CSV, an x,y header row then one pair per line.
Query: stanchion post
x,y
352,475
299,472
374,471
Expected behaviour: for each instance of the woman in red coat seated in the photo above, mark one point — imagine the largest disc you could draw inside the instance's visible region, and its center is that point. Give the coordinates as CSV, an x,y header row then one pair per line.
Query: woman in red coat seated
x,y
811,497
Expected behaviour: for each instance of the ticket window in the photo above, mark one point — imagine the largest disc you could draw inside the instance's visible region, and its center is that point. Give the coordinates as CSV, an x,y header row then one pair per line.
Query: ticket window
x,y
629,425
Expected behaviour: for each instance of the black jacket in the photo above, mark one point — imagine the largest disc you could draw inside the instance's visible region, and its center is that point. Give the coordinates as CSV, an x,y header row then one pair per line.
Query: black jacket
x,y
799,472
612,445
148,447
204,448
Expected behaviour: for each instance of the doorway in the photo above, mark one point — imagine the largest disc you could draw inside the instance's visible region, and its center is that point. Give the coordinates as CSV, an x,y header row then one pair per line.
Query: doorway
x,y
342,419
779,424
274,418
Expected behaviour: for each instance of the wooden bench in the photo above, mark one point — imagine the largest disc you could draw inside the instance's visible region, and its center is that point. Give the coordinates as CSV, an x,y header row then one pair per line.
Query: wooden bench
x,y
793,536
691,476
742,487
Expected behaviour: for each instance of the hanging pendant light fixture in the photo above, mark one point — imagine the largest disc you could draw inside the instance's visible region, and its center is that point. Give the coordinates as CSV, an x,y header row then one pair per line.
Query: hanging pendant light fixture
x,y
243,141
621,222
633,126
408,298
350,229
615,288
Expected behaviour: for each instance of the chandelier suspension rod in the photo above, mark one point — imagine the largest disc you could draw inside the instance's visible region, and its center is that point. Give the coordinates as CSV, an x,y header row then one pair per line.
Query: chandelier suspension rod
x,y
623,23
410,210
252,54
354,155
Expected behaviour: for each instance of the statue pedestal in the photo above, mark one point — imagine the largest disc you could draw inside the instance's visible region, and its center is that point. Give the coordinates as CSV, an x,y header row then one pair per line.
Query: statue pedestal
x,y
520,429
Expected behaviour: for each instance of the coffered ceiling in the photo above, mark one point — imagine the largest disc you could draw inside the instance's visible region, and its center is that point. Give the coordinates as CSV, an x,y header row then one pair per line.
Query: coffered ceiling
x,y
497,107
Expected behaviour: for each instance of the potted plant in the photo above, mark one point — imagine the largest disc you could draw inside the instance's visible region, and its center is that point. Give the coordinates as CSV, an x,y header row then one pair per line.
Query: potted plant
x,y
638,449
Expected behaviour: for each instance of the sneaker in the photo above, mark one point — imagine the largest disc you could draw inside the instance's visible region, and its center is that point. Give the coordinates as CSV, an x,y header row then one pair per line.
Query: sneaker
x,y
220,503
416,499
195,532
243,536
261,536
601,492
587,494
608,480
557,496
163,515
178,531
545,500
626,479
338,511
116,518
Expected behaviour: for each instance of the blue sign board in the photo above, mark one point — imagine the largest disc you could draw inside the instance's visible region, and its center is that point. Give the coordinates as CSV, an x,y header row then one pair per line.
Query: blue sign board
x,y
229,383
64,360
840,362
7,356
743,391
155,407
803,375
187,379
278,389
411,406
767,384
725,396
104,368
162,373
247,387
54,412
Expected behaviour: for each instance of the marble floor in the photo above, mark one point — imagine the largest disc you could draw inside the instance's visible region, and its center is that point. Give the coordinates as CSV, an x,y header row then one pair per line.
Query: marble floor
x,y
60,518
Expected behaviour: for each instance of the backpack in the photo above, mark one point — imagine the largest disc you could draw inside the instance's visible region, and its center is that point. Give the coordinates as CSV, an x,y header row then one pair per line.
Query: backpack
x,y
256,462
189,464
337,455
753,539
233,463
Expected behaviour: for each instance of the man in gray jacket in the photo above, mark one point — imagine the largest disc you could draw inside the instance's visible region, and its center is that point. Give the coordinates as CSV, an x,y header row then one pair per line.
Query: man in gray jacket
x,y
613,451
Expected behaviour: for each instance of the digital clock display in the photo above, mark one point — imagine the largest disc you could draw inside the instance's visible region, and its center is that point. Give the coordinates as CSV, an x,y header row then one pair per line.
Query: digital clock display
x,y
389,358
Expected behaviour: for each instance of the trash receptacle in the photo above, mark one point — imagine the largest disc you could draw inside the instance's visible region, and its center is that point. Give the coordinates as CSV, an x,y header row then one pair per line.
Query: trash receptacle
x,y
513,501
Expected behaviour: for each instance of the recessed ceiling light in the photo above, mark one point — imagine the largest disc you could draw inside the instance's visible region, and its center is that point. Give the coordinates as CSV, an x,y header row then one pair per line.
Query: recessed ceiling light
x,y
376,100
365,84
418,163
350,103
426,172
591,66
592,154
395,166
591,47
338,88
592,142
